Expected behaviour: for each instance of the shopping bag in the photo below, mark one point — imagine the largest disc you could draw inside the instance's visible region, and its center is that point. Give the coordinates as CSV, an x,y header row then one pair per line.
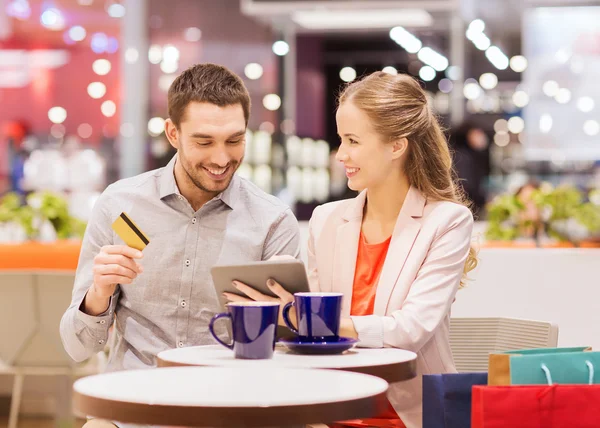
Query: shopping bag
x,y
568,368
447,399
499,369
536,406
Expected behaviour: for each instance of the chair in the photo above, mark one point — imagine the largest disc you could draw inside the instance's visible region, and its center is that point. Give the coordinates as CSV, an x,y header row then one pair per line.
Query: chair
x,y
473,339
31,306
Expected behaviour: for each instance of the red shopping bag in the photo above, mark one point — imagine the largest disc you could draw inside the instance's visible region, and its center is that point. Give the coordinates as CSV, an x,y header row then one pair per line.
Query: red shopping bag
x,y
387,419
536,406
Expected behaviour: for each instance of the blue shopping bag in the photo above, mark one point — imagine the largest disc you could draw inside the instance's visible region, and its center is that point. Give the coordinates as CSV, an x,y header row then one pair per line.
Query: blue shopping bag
x,y
447,399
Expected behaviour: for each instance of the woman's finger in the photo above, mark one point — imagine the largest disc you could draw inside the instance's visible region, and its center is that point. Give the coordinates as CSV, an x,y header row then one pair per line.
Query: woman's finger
x,y
279,291
251,292
235,298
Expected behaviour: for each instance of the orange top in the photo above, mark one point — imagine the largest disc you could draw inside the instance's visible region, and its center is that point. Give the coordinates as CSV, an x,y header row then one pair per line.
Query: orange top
x,y
58,255
369,262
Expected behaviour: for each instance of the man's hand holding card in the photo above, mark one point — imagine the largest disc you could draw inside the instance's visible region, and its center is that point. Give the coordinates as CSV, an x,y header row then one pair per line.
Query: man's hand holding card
x,y
115,264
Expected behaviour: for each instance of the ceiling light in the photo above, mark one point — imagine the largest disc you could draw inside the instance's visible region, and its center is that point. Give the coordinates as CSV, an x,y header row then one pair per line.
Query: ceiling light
x,y
446,85
408,41
96,90
272,102
501,126
363,18
53,19
347,74
563,96
390,70
585,104
488,80
472,91
57,114
591,127
520,98
253,71
427,73
518,63
192,34
156,126
77,33
433,59
101,67
545,123
497,58
516,124
281,48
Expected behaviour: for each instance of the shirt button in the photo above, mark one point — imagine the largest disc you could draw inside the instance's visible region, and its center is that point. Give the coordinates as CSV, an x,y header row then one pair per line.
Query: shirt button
x,y
194,220
180,344
103,322
180,197
101,342
183,304
187,262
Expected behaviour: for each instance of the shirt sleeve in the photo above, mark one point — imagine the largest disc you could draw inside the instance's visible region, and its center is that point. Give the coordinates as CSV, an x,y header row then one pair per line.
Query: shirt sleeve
x,y
84,335
283,238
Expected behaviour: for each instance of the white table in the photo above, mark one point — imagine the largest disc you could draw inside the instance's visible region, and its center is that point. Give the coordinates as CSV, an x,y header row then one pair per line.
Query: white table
x,y
390,364
229,397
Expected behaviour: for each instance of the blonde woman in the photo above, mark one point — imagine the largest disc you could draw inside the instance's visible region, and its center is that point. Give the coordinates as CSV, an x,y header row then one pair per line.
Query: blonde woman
x,y
400,249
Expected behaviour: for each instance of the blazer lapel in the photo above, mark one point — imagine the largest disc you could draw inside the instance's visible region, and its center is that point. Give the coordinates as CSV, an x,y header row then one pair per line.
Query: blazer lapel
x,y
346,251
405,232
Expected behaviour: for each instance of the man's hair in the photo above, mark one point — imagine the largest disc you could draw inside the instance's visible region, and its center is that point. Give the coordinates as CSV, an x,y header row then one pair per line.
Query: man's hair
x,y
209,83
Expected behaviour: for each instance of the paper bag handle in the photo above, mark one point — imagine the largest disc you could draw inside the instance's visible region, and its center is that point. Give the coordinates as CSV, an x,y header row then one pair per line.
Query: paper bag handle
x,y
587,363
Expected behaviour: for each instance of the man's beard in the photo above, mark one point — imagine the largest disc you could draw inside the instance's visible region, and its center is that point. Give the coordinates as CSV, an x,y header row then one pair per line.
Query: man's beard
x,y
232,168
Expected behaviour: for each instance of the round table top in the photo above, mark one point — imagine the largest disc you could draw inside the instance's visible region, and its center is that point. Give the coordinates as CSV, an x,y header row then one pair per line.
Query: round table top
x,y
227,396
390,364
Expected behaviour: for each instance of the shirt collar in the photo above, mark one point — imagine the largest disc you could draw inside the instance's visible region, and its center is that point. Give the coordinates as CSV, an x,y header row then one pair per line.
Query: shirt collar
x,y
168,186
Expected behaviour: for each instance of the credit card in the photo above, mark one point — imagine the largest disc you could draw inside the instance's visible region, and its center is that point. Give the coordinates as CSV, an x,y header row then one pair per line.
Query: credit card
x,y
130,233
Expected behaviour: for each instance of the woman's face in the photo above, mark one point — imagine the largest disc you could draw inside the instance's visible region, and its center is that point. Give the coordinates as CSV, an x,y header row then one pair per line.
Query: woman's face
x,y
369,161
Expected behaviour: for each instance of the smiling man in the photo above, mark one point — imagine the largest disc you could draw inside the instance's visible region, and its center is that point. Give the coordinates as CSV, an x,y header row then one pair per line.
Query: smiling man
x,y
195,212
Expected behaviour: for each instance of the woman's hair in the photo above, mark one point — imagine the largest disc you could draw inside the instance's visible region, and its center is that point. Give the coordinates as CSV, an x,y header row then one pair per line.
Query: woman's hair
x,y
398,108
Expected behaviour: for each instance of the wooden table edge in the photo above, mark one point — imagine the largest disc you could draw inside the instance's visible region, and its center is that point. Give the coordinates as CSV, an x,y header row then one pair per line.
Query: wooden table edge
x,y
391,373
195,416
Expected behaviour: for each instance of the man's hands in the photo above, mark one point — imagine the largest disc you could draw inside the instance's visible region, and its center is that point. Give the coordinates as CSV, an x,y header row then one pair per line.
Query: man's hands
x,y
115,264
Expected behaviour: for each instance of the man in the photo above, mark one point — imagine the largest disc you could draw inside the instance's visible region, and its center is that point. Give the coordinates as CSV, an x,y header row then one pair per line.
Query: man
x,y
196,213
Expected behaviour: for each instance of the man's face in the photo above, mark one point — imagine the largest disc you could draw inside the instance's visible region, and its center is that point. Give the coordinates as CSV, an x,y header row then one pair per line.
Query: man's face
x,y
211,144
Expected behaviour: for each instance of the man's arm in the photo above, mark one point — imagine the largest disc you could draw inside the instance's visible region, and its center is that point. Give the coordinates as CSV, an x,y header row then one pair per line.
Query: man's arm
x,y
84,335
283,238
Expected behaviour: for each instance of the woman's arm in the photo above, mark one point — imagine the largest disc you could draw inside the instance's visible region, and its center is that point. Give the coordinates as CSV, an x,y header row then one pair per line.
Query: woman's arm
x,y
430,296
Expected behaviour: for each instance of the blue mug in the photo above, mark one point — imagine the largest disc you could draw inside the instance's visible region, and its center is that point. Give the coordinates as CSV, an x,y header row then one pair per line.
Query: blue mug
x,y
253,326
317,314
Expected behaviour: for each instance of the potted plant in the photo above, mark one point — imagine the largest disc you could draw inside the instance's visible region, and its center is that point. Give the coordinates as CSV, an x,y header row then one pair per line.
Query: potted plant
x,y
506,223
16,221
569,219
52,218
45,217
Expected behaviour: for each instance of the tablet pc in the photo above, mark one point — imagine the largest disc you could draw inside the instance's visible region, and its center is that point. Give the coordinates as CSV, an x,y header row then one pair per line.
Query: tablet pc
x,y
291,274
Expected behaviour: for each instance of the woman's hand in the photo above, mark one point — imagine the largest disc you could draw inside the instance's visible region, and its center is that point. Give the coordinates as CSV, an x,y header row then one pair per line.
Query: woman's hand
x,y
283,297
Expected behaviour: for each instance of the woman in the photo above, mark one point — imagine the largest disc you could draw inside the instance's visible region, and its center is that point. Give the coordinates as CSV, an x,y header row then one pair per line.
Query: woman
x,y
400,249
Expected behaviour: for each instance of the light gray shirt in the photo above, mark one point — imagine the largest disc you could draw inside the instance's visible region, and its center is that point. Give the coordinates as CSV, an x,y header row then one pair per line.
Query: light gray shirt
x,y
172,301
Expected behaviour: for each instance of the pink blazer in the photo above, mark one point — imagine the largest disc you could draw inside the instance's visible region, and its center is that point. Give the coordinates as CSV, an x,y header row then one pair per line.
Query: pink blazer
x,y
418,282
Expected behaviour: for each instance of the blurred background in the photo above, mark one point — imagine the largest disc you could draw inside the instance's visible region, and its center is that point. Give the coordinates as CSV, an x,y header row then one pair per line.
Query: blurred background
x,y
83,87
83,99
